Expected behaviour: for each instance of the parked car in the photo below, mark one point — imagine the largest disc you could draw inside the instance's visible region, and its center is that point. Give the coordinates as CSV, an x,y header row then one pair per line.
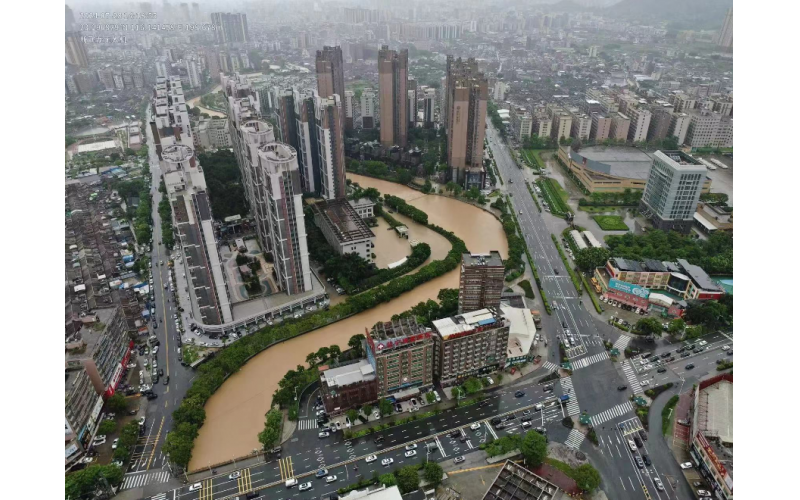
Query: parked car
x,y
370,459
475,426
322,473
686,465
387,462
324,434
195,486
331,479
659,484
410,453
458,460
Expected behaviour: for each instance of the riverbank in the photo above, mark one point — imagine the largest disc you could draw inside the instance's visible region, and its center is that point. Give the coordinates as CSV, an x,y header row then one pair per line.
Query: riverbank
x,y
235,413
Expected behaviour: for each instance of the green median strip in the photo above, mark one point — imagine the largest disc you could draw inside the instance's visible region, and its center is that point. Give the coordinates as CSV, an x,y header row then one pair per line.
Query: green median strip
x,y
575,280
533,195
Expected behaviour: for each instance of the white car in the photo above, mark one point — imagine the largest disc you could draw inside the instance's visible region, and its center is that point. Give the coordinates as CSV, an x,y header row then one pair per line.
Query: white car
x,y
659,484
686,465
409,453
155,349
195,486
87,460
305,486
726,347
387,461
644,383
371,459
331,479
412,446
100,437
142,420
235,475
114,444
703,493
324,434
475,426
702,342
118,463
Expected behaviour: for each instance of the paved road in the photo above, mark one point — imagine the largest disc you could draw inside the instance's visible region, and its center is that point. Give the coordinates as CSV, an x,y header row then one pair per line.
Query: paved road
x,y
148,465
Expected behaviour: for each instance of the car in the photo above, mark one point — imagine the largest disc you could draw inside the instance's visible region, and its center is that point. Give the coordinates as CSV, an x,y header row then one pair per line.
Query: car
x,y
347,422
687,465
151,395
644,383
475,426
455,434
370,459
659,484
702,342
235,475
703,493
161,372
484,403
665,355
305,486
690,347
291,482
510,417
410,453
647,460
685,355
697,484
631,444
541,430
195,486
639,462
661,370
548,388
646,355
324,434
398,408
414,402
118,463
500,426
526,419
689,366
526,424
322,473
387,462
680,350
380,439
87,460
519,394
726,347
458,460
526,412
538,406
490,380
730,353
496,420
114,444
166,380
331,479
638,441
622,387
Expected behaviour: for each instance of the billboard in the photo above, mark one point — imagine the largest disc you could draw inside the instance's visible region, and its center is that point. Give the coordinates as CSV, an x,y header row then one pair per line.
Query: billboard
x,y
629,288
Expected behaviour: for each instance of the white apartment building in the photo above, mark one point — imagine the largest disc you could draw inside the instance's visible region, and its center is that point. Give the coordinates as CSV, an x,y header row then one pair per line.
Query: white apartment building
x,y
679,126
709,129
601,127
368,118
672,191
640,124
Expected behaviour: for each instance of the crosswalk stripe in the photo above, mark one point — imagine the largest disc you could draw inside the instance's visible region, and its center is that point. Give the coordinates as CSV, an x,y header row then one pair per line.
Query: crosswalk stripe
x,y
305,424
145,479
572,404
584,362
612,413
575,439
630,374
622,342
551,367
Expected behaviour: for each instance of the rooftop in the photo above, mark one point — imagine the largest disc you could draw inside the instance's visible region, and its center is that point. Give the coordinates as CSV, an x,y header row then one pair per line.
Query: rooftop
x,y
87,336
618,161
699,277
522,330
400,329
354,373
380,493
340,216
483,259
646,266
468,322
515,482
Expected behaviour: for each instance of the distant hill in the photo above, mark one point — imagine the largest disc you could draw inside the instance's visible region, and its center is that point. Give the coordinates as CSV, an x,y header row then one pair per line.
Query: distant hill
x,y
681,14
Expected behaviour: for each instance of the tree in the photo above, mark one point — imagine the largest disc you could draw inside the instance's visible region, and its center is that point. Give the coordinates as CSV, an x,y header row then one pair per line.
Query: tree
x,y
129,434
588,259
122,453
367,410
388,480
323,354
534,448
179,448
355,344
430,398
385,407
107,427
649,326
84,483
272,429
472,385
677,325
334,352
408,479
191,410
352,415
433,473
586,477
117,403
311,359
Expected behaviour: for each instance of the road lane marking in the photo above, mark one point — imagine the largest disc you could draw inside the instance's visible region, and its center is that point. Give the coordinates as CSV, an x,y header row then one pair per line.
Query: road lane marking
x,y
155,444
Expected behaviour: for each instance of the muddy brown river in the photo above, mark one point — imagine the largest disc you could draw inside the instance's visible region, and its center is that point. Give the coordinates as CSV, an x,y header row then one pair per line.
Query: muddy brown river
x,y
235,414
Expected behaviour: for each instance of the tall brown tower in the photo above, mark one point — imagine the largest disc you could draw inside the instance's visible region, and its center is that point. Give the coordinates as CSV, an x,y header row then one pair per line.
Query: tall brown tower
x,y
465,99
330,72
393,83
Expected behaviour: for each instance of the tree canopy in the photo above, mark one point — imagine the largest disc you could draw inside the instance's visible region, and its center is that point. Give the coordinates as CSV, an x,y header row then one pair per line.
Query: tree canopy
x,y
408,479
714,255
588,259
586,477
223,178
534,448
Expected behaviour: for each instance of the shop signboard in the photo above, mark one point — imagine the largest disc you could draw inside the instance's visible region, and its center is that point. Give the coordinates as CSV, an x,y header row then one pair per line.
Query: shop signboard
x,y
628,288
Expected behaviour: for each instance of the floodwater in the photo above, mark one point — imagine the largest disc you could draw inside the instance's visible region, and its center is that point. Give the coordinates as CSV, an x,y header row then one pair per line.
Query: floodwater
x,y
235,414
192,103
390,247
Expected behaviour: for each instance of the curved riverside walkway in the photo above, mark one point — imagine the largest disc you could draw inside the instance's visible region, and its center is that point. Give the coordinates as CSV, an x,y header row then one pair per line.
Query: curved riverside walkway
x,y
235,413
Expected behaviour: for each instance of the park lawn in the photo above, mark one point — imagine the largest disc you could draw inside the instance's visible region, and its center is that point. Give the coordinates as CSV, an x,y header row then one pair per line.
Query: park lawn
x,y
598,210
552,192
610,222
561,191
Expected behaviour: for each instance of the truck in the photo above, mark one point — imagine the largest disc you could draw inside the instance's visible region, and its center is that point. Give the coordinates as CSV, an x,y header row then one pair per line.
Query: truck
x,y
537,319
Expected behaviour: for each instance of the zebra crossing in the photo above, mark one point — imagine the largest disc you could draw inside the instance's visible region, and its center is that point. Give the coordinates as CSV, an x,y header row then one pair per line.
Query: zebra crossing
x,y
572,403
551,367
138,480
630,374
612,413
306,424
594,358
574,352
622,342
575,439
159,496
